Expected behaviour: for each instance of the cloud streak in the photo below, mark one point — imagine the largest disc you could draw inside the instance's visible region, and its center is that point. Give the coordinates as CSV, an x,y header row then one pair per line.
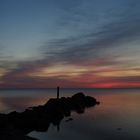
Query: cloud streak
x,y
87,48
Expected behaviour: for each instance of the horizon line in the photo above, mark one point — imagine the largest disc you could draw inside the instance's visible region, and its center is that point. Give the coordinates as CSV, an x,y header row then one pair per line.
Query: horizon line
x,y
70,88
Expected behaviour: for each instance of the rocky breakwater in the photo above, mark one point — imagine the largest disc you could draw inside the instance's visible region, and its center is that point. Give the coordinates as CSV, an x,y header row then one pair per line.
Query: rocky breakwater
x,y
16,125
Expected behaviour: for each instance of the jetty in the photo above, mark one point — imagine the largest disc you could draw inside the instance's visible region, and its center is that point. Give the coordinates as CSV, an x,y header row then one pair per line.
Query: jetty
x,y
16,125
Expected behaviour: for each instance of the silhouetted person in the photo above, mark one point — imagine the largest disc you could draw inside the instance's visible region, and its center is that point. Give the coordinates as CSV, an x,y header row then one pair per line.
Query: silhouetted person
x,y
57,92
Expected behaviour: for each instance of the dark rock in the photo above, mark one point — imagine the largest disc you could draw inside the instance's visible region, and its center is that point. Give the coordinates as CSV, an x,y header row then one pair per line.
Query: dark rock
x,y
39,118
70,119
119,129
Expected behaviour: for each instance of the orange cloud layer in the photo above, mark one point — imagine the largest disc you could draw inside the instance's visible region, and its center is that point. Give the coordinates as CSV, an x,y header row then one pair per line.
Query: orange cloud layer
x,y
70,76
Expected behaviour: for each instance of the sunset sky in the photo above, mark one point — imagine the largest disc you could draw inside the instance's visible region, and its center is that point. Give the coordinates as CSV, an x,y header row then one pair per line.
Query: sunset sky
x,y
70,43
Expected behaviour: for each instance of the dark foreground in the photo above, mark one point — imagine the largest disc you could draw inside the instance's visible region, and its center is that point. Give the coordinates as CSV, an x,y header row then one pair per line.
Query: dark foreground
x,y
15,126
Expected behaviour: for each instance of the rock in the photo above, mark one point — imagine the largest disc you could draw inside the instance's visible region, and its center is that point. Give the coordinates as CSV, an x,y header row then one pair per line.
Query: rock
x,y
70,119
39,118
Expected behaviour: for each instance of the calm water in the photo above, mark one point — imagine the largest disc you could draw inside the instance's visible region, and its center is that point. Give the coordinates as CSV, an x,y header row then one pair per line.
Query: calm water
x,y
116,118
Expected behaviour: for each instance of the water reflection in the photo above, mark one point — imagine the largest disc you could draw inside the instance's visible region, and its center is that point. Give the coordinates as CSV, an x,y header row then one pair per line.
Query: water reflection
x,y
8,104
118,109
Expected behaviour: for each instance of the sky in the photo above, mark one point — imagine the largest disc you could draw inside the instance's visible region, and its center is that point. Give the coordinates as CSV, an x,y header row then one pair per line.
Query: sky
x,y
69,43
